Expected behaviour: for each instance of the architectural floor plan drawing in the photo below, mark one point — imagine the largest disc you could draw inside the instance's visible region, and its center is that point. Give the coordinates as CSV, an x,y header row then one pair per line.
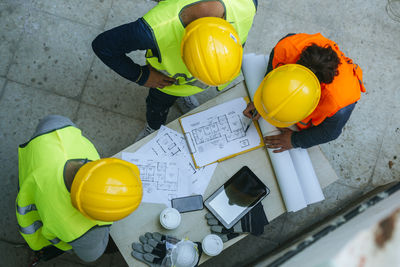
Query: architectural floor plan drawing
x,y
219,132
156,172
170,143
162,178
168,151
167,145
228,127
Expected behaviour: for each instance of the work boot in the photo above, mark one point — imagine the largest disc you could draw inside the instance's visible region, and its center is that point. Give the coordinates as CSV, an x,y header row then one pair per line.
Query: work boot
x,y
187,103
145,132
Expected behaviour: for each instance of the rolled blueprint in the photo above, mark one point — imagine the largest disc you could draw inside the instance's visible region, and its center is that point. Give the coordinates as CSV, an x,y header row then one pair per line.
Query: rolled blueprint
x,y
308,179
296,177
254,68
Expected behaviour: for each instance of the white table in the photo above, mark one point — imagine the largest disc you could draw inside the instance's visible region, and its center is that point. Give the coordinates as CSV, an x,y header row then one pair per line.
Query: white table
x,y
193,224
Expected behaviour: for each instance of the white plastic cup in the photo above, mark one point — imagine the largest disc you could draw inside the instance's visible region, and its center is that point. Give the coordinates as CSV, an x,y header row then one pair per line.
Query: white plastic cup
x,y
170,218
212,245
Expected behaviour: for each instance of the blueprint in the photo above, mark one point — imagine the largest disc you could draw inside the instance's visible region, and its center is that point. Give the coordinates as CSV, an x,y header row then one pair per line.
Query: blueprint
x,y
219,132
162,178
172,145
167,143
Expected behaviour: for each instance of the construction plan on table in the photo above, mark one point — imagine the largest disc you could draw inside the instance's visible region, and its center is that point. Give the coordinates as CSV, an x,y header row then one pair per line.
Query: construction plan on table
x,y
219,133
167,170
193,225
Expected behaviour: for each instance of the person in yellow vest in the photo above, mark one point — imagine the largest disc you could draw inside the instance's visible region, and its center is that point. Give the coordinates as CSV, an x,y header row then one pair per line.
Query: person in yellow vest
x,y
191,45
68,197
310,83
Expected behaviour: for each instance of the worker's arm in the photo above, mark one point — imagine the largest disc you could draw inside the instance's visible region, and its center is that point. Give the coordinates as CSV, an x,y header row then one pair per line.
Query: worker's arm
x,y
328,130
90,246
112,46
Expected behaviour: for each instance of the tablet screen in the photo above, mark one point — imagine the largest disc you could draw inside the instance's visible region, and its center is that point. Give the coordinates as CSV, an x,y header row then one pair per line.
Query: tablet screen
x,y
237,196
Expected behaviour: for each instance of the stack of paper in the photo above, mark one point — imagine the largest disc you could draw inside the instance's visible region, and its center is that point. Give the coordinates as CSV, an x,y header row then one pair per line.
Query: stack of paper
x,y
167,170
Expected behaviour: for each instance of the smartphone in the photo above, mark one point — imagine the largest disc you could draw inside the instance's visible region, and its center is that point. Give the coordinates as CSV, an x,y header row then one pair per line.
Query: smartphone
x,y
190,203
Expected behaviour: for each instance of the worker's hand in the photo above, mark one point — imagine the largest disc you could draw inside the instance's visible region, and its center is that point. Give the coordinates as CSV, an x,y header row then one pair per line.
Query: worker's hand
x,y
281,141
157,79
248,112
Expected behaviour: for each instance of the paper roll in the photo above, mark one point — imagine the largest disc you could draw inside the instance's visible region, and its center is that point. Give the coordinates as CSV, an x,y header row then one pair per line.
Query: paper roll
x,y
254,68
308,179
286,174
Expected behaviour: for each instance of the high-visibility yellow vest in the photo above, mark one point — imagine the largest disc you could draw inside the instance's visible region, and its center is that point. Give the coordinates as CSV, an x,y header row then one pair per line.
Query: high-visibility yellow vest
x,y
44,210
168,31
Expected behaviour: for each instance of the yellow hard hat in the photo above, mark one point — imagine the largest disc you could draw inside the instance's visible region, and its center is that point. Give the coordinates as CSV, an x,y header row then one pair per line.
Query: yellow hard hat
x,y
107,189
287,95
211,50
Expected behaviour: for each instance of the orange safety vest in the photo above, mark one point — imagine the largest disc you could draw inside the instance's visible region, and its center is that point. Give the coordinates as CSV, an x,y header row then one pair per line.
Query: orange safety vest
x,y
345,89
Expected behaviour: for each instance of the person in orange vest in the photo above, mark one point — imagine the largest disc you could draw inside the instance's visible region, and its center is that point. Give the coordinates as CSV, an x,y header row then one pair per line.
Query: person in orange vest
x,y
68,197
310,83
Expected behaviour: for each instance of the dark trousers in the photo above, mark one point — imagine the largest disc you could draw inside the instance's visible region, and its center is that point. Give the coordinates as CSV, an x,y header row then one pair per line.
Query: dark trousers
x,y
157,105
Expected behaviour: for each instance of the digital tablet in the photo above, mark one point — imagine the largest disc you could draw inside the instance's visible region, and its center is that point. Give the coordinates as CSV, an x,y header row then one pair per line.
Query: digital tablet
x,y
236,197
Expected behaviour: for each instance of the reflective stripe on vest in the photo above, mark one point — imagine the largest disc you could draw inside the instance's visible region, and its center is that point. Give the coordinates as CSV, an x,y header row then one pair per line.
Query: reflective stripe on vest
x,y
188,80
168,30
26,209
41,166
55,241
345,89
31,229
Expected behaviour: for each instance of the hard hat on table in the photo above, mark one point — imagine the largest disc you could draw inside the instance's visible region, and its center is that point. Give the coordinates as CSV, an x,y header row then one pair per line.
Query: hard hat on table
x,y
287,95
212,51
107,189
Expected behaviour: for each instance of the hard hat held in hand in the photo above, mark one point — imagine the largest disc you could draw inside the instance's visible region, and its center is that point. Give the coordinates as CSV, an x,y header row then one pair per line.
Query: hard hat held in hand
x,y
287,95
107,189
211,50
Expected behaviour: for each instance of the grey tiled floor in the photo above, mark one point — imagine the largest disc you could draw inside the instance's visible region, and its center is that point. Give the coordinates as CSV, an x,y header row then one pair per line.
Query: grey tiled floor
x,y
47,67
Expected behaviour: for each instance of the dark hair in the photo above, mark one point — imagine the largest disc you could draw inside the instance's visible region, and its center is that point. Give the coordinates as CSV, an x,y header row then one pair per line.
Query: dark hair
x,y
323,61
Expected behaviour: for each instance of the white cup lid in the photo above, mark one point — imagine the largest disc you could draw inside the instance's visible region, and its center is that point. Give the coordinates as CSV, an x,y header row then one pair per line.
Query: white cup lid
x,y
170,218
212,245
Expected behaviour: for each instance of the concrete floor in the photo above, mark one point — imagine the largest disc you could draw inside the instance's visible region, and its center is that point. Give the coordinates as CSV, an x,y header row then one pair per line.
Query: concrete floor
x,y
47,67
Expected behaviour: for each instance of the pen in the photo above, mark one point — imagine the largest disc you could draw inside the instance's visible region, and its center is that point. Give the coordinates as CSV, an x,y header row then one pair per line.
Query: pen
x,y
252,118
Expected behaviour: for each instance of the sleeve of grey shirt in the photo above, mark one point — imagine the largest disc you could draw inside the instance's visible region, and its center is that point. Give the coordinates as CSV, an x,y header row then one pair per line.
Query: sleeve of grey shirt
x,y
51,123
90,246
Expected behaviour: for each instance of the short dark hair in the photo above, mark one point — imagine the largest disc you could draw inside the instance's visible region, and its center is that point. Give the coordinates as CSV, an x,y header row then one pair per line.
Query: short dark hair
x,y
323,61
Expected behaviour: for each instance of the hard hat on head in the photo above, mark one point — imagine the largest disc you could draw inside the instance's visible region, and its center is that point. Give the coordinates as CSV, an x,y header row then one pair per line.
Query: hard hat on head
x,y
107,189
211,50
287,95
